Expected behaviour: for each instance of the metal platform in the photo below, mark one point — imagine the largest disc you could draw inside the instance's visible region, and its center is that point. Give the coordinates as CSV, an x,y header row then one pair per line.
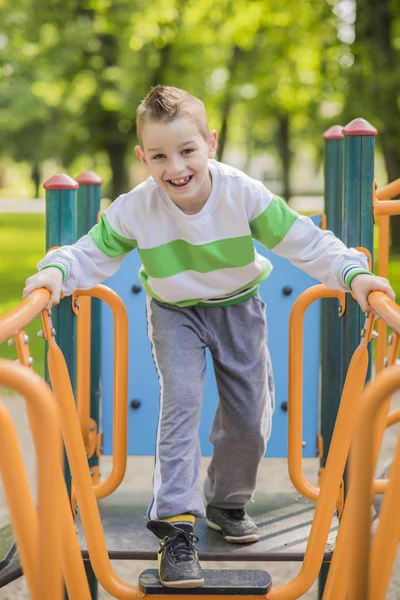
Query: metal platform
x,y
216,583
284,522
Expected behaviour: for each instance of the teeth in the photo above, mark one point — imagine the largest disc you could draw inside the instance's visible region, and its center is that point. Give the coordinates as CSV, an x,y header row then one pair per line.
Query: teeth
x,y
180,181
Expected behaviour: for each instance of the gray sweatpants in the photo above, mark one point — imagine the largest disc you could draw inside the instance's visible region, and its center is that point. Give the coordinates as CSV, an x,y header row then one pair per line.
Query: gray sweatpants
x,y
237,338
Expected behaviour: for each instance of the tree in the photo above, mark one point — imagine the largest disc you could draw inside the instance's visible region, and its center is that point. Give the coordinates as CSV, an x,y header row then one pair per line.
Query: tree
x,y
374,82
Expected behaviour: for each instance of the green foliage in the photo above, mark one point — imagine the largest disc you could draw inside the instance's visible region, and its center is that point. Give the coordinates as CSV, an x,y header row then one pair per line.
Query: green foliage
x,y
71,78
21,247
273,76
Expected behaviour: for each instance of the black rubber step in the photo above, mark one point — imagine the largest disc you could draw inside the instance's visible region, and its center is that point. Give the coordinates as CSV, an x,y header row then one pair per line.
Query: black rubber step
x,y
216,582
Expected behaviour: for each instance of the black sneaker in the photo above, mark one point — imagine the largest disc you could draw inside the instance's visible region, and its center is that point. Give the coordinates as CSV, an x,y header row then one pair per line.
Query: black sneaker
x,y
235,525
178,565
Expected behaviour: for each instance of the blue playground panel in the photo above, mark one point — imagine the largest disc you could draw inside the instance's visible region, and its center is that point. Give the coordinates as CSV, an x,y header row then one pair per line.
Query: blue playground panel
x,y
143,380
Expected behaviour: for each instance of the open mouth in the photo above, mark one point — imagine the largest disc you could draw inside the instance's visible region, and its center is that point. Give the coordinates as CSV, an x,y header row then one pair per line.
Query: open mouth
x,y
181,182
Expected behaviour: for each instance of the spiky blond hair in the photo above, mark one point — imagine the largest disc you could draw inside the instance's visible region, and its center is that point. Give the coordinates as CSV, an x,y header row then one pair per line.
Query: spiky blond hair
x,y
165,103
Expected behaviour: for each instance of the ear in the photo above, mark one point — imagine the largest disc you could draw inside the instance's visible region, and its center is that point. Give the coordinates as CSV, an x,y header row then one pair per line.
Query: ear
x,y
140,155
212,143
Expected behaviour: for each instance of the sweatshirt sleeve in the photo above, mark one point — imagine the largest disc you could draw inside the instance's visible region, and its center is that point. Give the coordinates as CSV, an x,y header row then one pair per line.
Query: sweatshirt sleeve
x,y
95,256
295,237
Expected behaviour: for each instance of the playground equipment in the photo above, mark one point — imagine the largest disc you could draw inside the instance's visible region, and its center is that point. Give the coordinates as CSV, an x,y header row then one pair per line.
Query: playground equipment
x,y
121,518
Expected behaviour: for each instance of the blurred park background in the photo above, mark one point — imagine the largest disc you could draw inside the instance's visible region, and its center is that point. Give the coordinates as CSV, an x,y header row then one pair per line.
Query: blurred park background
x,y
273,76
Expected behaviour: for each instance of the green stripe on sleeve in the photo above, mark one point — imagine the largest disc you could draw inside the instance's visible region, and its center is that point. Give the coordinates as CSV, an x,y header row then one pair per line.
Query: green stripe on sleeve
x,y
109,241
271,226
57,265
178,256
353,272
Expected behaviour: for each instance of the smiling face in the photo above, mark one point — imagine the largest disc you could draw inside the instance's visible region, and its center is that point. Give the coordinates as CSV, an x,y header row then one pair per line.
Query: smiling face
x,y
176,155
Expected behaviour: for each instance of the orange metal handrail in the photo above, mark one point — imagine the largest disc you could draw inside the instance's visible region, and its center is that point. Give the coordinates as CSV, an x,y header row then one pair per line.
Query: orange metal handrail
x,y
336,584
393,417
120,421
83,354
13,321
386,193
355,379
84,490
37,534
386,309
367,582
295,394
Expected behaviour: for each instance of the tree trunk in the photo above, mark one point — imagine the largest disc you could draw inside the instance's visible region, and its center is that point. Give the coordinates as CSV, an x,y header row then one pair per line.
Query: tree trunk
x,y
117,157
374,82
228,100
285,153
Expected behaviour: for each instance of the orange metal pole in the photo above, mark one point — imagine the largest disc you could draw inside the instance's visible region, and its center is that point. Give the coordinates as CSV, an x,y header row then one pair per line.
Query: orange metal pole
x,y
383,269
363,460
387,207
83,351
120,422
55,518
394,417
19,500
389,191
14,320
336,586
47,442
295,395
385,543
386,309
82,481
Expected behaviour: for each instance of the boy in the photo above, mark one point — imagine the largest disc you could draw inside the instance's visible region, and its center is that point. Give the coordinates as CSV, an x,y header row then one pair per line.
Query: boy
x,y
193,221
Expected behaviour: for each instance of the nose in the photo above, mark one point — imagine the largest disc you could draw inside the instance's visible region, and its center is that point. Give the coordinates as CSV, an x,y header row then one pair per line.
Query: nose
x,y
176,164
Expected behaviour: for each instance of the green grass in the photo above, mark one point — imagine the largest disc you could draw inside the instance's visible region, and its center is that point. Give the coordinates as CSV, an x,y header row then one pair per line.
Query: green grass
x,y
22,245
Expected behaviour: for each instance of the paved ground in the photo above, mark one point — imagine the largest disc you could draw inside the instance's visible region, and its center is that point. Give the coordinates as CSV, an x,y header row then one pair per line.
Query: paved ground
x,y
272,476
309,204
23,206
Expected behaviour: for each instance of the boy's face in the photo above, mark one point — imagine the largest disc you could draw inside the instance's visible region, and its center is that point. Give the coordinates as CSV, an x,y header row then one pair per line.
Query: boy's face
x,y
176,155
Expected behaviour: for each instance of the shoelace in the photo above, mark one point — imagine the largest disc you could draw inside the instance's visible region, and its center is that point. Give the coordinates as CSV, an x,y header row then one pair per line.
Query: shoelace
x,y
236,513
180,545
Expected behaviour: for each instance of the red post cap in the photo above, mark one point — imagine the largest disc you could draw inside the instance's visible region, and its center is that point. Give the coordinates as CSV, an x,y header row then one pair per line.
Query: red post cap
x,y
61,181
334,133
89,178
359,127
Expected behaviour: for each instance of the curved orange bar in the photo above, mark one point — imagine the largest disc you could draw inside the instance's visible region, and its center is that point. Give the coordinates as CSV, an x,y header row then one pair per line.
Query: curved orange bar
x,y
337,583
55,516
47,440
83,352
387,207
383,270
19,500
120,423
326,500
389,191
82,481
386,309
362,468
295,396
393,417
13,321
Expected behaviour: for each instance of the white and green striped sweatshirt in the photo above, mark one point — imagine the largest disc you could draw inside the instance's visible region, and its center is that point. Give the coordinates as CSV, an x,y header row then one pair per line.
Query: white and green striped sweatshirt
x,y
209,257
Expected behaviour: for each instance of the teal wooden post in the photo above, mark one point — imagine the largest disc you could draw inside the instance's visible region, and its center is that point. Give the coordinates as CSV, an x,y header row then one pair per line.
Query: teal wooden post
x,y
60,231
331,330
359,138
89,196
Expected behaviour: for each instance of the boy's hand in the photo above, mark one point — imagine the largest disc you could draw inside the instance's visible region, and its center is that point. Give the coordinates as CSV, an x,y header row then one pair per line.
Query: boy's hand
x,y
363,284
51,279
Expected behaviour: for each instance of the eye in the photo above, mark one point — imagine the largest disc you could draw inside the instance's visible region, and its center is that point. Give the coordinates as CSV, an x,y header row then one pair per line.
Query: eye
x,y
158,156
188,151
